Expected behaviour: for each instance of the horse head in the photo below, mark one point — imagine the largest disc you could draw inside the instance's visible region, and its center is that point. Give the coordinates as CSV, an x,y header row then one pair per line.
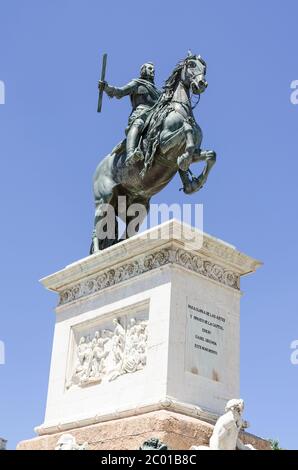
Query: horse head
x,y
191,72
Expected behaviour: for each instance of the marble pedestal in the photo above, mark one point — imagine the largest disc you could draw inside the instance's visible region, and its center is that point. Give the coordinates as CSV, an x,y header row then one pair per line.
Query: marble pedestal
x,y
150,325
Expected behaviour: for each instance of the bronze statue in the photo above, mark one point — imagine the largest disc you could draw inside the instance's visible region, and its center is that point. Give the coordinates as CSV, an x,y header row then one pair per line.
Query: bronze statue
x,y
143,95
162,138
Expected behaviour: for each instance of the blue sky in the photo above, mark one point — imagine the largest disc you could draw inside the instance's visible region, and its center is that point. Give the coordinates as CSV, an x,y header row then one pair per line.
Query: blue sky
x,y
52,139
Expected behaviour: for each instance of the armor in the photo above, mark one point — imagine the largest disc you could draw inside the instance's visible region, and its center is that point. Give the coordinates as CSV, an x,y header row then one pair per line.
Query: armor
x,y
143,95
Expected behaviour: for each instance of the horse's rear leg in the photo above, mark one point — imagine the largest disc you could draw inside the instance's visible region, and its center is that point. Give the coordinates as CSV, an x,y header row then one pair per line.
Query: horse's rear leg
x,y
134,217
105,232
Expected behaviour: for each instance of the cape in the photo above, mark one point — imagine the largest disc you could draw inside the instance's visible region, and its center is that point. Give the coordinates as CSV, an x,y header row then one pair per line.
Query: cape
x,y
154,92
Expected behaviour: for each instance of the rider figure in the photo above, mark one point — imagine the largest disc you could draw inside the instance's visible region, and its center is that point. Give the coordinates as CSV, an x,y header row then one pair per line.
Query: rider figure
x,y
143,94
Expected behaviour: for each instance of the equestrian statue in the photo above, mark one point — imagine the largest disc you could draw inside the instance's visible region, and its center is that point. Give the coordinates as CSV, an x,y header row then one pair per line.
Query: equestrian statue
x,y
162,137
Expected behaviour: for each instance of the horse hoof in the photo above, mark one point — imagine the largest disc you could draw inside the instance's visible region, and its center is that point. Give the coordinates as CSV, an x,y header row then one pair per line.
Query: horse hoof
x,y
211,156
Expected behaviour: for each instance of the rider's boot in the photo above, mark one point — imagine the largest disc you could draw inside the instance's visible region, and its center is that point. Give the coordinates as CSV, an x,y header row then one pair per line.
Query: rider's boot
x,y
134,154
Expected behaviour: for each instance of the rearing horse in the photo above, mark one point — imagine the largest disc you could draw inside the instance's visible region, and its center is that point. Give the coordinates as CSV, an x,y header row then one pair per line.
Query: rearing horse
x,y
171,141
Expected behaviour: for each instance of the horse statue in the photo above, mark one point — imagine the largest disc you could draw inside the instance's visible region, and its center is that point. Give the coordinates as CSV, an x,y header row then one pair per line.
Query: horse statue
x,y
170,141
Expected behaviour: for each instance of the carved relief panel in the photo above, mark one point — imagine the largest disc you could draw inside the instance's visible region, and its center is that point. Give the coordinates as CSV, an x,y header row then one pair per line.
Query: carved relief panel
x,y
105,349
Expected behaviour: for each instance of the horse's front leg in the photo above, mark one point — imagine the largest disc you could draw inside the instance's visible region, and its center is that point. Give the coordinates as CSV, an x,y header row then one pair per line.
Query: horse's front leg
x,y
187,157
203,155
194,184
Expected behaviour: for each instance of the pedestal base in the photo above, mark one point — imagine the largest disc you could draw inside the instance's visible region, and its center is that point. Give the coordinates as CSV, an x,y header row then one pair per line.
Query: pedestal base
x,y
178,431
146,339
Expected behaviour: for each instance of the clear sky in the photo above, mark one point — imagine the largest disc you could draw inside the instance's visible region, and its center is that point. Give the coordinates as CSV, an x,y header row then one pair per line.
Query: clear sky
x,y
52,139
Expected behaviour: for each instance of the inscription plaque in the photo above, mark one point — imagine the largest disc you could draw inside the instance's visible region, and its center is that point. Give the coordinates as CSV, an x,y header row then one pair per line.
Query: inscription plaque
x,y
205,338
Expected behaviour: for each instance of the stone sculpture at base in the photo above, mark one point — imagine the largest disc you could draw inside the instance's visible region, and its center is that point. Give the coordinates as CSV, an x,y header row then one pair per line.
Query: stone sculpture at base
x,y
68,442
3,443
227,428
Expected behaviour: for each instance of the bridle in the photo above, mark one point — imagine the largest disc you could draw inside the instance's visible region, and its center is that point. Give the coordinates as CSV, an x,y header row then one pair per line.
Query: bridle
x,y
197,102
193,106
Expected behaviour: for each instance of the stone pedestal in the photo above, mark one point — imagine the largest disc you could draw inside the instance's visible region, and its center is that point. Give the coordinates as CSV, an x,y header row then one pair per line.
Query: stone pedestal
x,y
146,329
179,431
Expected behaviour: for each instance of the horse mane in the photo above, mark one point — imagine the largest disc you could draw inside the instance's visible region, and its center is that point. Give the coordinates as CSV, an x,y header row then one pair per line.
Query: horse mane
x,y
171,82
